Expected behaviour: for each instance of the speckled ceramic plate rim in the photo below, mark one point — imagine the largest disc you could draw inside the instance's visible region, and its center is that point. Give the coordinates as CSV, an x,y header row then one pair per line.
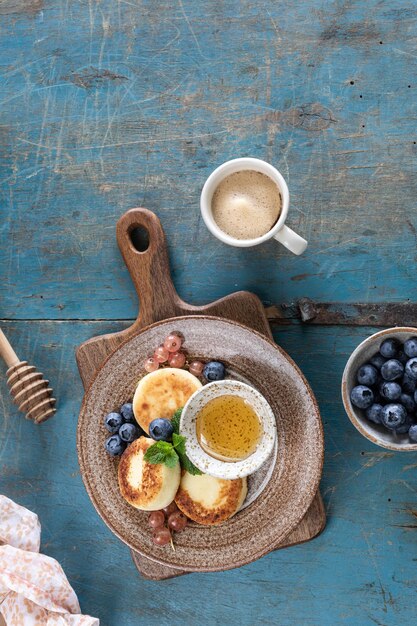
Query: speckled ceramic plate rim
x,y
314,483
400,447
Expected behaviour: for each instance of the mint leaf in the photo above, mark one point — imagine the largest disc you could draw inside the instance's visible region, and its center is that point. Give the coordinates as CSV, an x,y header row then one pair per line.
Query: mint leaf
x,y
179,445
161,452
170,453
178,441
175,421
189,466
171,459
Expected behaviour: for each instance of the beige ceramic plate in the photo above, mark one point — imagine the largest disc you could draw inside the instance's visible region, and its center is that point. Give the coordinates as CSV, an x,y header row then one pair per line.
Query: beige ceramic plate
x,y
295,476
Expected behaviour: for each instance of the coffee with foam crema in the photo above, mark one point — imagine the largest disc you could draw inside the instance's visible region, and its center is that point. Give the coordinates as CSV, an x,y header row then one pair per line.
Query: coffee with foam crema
x,y
246,204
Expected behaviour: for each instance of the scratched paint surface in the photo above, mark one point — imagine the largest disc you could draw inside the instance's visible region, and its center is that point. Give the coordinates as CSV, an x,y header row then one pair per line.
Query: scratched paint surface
x,y
108,105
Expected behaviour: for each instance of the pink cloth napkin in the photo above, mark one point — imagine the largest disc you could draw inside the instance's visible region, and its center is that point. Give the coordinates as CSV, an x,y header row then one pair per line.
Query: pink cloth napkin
x,y
34,590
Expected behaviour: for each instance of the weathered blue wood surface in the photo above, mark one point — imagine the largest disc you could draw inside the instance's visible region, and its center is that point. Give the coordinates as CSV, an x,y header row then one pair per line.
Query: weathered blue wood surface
x,y
109,105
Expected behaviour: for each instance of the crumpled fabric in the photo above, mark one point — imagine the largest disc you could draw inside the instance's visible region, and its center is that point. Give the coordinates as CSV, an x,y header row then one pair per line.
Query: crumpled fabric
x,y
34,590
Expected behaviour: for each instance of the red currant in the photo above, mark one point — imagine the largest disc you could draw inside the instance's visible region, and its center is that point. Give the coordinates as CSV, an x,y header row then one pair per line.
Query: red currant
x,y
161,536
161,354
196,368
177,521
173,343
171,508
151,364
176,359
156,519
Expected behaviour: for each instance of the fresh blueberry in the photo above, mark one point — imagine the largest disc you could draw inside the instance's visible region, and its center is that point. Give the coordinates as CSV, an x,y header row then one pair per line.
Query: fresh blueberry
x,y
112,422
390,390
410,347
114,445
362,396
408,402
404,428
393,416
412,433
389,348
377,360
214,370
411,368
128,432
127,413
392,369
373,413
161,429
367,375
408,384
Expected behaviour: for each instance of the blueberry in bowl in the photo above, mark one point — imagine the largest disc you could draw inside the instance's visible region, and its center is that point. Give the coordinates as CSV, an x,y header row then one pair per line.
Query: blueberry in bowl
x,y
379,388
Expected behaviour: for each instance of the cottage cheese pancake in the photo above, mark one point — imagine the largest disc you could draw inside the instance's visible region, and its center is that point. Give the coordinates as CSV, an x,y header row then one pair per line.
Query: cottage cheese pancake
x,y
161,393
208,500
144,485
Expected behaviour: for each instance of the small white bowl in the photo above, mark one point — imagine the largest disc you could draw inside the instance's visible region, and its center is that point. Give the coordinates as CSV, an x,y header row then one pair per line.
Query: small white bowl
x,y
379,435
215,467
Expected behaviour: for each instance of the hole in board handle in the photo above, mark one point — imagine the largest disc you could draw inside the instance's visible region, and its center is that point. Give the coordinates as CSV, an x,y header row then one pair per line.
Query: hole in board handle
x,y
139,237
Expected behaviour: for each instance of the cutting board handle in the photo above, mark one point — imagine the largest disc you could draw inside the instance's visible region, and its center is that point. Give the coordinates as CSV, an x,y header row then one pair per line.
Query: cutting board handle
x,y
149,268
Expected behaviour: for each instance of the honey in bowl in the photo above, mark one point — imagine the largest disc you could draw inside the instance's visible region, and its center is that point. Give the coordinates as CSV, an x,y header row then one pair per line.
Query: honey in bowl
x,y
228,428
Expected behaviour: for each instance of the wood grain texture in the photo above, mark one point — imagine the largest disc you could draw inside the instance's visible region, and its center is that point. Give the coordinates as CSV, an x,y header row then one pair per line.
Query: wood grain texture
x,y
151,276
150,268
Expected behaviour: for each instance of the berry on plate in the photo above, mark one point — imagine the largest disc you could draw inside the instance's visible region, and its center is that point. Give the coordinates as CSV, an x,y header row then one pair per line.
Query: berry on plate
x,y
115,446
161,429
151,365
196,368
176,359
362,397
214,370
173,342
128,432
126,412
161,354
113,421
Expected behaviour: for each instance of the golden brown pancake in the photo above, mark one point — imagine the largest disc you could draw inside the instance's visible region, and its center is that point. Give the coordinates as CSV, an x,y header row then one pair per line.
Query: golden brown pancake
x,y
208,500
161,393
144,485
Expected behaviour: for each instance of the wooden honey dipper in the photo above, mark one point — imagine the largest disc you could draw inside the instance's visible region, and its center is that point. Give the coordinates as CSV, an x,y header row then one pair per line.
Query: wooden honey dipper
x,y
28,388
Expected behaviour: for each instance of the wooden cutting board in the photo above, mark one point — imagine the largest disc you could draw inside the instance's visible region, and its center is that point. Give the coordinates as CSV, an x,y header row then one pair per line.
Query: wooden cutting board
x,y
158,299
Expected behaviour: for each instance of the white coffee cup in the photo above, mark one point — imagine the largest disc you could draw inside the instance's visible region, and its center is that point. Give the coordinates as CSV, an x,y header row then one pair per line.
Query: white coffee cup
x,y
279,231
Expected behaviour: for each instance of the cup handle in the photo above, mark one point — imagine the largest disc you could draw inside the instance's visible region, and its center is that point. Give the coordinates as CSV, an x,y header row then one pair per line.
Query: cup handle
x,y
291,240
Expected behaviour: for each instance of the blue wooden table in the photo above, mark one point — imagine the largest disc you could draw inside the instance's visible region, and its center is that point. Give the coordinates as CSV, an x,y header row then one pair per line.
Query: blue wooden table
x,y
106,105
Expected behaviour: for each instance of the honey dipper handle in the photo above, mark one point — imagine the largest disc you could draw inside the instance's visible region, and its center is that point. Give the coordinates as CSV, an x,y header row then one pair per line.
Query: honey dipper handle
x,y
7,352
